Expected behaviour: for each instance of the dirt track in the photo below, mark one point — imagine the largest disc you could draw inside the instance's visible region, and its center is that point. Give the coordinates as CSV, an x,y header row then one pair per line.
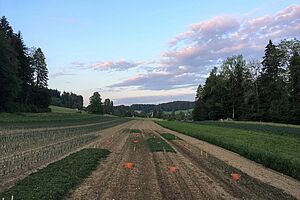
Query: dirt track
x,y
200,174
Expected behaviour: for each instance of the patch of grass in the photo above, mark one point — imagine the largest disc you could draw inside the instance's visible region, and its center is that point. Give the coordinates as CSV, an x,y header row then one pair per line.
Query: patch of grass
x,y
135,131
58,109
169,136
158,144
279,152
273,128
178,111
56,180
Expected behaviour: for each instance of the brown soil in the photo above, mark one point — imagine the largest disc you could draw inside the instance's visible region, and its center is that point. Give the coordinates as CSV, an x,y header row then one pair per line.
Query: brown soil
x,y
201,173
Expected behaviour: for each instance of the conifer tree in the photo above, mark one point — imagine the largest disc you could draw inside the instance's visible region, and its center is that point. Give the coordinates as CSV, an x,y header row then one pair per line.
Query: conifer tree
x,y
40,67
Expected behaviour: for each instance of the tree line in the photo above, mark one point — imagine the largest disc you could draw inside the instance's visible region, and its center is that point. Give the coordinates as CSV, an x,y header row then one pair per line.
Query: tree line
x,y
169,106
23,74
66,99
262,91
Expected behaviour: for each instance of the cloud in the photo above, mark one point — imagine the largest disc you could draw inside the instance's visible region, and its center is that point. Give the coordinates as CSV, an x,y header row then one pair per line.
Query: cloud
x,y
121,65
223,36
57,74
78,64
193,53
160,81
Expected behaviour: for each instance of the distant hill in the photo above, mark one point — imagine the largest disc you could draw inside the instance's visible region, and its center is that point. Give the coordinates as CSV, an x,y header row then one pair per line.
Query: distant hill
x,y
170,106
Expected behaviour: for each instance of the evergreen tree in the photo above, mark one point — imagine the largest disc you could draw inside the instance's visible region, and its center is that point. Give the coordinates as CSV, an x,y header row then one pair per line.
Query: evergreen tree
x,y
274,97
9,82
294,68
6,28
95,105
215,96
25,71
40,67
199,112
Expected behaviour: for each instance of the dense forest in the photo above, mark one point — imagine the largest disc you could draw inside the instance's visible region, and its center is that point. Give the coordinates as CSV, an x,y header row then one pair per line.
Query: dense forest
x,y
66,99
262,91
170,110
168,107
23,74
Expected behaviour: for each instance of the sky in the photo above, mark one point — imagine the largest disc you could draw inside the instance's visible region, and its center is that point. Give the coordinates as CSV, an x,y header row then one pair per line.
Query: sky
x,y
140,51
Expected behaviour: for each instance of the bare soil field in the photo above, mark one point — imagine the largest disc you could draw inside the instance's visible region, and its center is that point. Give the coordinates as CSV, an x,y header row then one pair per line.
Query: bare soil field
x,y
196,171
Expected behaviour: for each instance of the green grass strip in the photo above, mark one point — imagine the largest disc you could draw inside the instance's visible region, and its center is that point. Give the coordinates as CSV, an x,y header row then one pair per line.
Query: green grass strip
x,y
278,152
55,181
280,129
158,144
135,131
169,136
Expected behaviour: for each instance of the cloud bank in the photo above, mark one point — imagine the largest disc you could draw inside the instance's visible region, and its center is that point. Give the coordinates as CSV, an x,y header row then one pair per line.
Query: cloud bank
x,y
192,54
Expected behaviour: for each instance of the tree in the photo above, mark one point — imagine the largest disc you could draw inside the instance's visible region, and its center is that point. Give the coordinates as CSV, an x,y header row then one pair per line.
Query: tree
x,y
251,91
273,96
95,105
199,111
9,82
40,67
6,28
17,74
294,68
108,107
233,71
40,98
215,96
25,71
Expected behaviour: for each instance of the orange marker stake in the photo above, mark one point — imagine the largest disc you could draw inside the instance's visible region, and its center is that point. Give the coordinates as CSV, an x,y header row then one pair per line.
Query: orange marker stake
x,y
235,176
172,169
128,165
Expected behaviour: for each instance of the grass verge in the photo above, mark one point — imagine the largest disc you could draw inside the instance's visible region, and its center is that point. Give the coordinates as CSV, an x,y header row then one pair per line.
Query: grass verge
x,y
279,152
55,181
157,144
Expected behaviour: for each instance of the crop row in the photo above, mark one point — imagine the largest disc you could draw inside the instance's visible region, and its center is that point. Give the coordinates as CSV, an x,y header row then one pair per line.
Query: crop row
x,y
13,143
41,120
24,161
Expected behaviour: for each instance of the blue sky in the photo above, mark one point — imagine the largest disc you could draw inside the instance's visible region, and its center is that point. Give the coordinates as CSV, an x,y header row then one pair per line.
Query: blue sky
x,y
146,51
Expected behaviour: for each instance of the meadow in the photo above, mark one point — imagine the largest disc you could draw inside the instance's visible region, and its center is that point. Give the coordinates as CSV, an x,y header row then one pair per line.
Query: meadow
x,y
274,146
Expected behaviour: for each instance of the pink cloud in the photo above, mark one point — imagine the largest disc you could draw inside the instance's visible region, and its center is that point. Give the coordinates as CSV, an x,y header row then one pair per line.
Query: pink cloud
x,y
118,65
207,43
223,36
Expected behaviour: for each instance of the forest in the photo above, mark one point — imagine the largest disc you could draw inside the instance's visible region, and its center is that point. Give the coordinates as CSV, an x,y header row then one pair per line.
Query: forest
x,y
252,90
169,106
66,99
23,74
